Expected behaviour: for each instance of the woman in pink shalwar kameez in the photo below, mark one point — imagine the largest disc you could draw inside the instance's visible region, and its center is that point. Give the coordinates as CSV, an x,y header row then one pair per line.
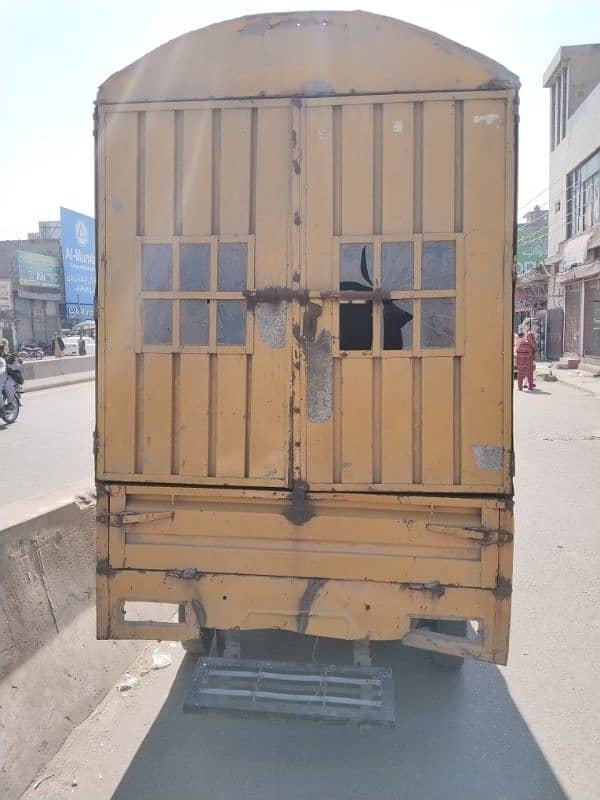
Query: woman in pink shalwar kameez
x,y
524,353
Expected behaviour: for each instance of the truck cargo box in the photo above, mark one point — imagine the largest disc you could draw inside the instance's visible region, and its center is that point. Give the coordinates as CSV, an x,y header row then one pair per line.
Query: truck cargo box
x,y
305,234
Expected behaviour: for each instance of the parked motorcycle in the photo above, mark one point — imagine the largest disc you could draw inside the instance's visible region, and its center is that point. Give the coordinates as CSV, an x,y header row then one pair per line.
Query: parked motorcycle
x,y
8,411
30,351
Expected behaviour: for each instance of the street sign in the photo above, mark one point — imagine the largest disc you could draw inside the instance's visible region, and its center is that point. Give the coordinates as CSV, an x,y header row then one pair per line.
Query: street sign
x,y
79,263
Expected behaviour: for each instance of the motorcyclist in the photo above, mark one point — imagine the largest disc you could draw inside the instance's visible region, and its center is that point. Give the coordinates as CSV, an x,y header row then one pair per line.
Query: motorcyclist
x,y
14,373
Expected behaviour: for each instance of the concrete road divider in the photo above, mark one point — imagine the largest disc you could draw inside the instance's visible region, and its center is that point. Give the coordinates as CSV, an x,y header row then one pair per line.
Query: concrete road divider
x,y
52,367
50,372
53,672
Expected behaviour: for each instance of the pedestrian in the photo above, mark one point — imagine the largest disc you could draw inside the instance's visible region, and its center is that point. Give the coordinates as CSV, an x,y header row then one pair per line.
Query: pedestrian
x,y
529,334
524,353
59,346
81,345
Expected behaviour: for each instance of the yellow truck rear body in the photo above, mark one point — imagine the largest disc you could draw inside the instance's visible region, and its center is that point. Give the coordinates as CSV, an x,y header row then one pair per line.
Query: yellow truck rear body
x,y
305,340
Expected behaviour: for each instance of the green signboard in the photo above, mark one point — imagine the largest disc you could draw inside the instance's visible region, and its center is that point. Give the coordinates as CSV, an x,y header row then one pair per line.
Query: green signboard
x,y
532,247
36,270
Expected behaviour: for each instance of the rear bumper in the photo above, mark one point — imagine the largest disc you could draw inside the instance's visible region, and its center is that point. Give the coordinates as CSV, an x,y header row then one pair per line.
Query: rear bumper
x,y
332,608
352,568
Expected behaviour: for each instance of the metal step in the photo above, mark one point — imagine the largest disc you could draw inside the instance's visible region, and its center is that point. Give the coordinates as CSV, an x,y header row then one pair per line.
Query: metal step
x,y
344,694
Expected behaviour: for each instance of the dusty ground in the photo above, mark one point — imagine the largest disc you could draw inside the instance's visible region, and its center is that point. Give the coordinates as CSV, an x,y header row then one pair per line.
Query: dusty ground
x,y
531,730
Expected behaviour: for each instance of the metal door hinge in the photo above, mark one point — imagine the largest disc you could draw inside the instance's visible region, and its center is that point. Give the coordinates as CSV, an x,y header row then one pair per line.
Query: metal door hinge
x,y
131,518
483,536
435,587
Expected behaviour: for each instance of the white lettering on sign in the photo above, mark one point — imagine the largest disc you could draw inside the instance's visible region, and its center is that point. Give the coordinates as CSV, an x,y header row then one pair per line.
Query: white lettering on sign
x,y
397,126
77,255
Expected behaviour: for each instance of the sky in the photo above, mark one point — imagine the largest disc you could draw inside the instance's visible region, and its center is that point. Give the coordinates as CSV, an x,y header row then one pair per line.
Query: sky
x,y
55,53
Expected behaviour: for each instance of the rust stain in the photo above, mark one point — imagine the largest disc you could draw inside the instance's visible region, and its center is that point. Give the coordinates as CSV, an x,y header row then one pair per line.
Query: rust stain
x,y
275,294
103,568
271,320
313,586
299,510
185,574
319,378
309,321
199,611
503,587
435,587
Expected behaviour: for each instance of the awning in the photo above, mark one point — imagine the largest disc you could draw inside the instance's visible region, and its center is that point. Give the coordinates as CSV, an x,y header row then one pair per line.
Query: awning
x,y
579,272
574,251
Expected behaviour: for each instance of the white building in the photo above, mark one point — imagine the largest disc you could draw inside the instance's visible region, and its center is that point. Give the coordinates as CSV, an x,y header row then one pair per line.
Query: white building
x,y
573,78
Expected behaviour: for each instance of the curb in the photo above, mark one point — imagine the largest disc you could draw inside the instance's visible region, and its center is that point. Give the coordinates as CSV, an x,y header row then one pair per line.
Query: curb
x,y
579,388
572,384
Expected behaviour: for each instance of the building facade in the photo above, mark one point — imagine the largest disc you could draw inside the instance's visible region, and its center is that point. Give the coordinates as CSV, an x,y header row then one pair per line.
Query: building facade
x,y
531,289
32,283
573,262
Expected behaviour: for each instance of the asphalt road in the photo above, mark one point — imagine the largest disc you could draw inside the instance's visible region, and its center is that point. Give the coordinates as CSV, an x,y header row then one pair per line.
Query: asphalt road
x,y
47,452
527,731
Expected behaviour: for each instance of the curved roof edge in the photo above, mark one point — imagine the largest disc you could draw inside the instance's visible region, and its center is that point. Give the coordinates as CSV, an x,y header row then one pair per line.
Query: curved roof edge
x,y
316,53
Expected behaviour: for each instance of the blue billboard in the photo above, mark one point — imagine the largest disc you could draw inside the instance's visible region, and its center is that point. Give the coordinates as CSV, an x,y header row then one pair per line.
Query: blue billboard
x,y
78,238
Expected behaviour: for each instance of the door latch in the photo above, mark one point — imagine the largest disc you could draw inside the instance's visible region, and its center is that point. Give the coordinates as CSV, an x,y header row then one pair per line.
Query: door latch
x,y
312,313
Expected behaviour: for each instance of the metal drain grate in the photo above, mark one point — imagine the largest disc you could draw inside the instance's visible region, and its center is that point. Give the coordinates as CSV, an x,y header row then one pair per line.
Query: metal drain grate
x,y
356,694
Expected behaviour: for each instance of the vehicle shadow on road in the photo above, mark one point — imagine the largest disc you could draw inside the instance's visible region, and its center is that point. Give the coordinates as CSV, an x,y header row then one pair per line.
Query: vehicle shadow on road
x,y
458,736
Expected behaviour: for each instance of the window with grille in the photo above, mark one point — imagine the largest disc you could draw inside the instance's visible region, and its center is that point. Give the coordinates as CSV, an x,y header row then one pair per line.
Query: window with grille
x,y
410,295
192,295
583,196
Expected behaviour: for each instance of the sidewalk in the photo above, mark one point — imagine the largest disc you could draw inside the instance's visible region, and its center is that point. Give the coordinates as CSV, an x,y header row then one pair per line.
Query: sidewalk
x,y
583,380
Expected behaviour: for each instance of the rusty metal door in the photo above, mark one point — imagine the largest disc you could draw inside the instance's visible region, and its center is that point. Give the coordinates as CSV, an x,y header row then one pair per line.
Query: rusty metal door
x,y
554,337
403,215
196,225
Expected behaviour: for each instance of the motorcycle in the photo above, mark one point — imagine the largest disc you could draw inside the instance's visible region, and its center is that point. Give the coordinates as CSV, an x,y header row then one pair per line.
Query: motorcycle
x,y
30,351
8,411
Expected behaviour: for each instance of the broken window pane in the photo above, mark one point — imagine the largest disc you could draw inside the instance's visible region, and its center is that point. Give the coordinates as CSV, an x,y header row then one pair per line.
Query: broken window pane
x,y
356,326
193,322
231,322
397,324
397,266
356,267
437,322
156,267
194,270
438,270
231,266
158,324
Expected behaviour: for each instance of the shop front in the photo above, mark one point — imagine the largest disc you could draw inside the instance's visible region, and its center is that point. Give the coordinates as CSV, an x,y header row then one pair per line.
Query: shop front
x,y
39,293
591,319
582,312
